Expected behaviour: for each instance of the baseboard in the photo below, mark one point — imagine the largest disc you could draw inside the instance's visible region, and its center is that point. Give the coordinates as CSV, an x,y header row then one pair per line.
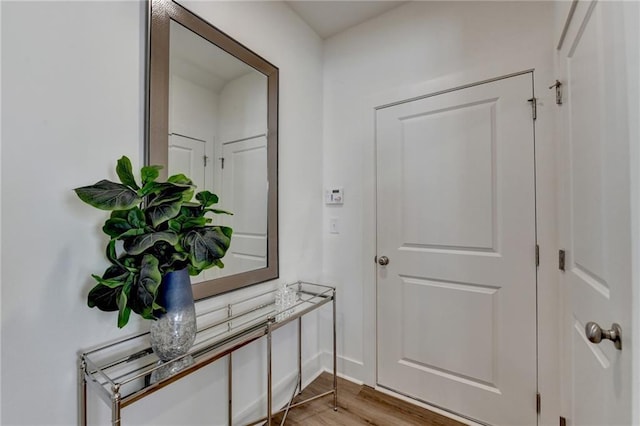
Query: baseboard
x,y
282,391
314,367
402,397
427,406
348,368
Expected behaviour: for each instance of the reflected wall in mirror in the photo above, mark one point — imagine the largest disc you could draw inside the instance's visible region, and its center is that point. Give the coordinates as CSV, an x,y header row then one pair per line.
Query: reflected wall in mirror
x,y
213,117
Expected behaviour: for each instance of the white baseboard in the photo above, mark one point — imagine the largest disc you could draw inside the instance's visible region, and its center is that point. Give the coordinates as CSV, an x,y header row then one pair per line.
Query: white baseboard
x,y
328,367
426,406
282,391
348,368
314,367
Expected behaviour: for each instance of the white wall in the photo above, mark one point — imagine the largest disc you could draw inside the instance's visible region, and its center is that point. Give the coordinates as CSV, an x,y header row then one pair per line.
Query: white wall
x,y
243,108
72,103
426,47
193,109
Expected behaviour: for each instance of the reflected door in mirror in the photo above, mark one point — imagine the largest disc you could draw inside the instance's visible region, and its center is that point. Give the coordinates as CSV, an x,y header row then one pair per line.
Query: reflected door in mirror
x,y
218,137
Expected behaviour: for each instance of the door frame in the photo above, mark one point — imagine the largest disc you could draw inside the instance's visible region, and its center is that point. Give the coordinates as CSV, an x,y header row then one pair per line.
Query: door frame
x,y
548,342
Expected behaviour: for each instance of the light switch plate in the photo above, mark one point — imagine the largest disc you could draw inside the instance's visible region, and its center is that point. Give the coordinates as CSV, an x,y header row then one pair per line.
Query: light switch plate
x,y
333,226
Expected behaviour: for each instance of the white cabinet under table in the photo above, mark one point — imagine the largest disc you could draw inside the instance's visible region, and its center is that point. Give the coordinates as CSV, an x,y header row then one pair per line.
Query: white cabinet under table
x,y
126,371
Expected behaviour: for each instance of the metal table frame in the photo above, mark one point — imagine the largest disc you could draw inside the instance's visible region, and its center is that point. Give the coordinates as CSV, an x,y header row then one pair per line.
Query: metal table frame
x,y
123,372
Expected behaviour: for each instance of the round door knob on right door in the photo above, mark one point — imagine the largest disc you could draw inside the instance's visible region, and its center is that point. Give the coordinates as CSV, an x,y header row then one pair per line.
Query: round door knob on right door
x,y
595,334
383,260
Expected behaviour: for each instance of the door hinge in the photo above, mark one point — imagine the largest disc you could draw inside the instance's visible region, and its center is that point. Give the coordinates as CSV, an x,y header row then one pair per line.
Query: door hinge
x,y
222,162
561,256
204,159
563,421
534,107
538,403
537,255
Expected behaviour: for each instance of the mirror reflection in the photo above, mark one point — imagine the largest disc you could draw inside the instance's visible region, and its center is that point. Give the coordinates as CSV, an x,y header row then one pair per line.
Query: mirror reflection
x,y
218,137
213,115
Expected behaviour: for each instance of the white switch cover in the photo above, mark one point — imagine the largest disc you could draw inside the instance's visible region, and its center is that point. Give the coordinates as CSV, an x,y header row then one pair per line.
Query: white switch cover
x,y
334,196
333,226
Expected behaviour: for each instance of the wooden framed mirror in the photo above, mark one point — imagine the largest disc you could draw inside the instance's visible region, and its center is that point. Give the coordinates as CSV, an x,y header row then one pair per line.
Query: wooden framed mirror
x,y
213,115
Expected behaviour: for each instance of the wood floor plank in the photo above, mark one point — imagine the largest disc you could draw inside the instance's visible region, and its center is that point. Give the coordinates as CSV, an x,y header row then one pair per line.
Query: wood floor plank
x,y
358,405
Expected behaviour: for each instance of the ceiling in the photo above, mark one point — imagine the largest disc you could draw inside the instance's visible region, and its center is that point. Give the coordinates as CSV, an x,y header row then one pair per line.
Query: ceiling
x,y
330,17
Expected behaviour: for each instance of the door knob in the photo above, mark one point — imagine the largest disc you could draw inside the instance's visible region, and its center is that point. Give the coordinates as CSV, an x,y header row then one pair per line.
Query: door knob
x,y
383,260
595,334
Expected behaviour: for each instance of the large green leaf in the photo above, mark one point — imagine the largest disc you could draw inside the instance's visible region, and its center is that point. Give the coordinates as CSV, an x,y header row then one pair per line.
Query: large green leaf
x,y
115,227
114,271
191,210
136,218
145,289
148,188
164,212
124,310
149,174
113,282
188,195
183,181
111,253
176,262
167,197
165,193
180,179
138,245
125,172
185,223
194,271
156,189
206,198
104,298
175,225
134,224
150,276
107,195
206,245
120,214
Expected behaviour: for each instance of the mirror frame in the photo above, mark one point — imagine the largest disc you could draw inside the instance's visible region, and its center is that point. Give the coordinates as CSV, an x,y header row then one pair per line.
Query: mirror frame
x,y
161,12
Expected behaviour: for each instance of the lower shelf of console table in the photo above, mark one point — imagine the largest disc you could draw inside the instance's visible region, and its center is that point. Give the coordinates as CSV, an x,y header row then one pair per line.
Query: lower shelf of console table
x,y
126,371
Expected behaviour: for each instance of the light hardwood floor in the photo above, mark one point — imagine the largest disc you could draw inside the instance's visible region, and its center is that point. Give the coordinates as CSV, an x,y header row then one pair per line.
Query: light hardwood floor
x,y
358,405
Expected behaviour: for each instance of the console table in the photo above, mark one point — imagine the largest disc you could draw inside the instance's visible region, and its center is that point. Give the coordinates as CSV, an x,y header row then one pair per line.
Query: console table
x,y
127,370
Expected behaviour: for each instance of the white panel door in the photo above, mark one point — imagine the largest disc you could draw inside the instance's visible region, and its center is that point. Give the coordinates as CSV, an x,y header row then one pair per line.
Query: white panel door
x,y
186,155
596,222
245,187
456,219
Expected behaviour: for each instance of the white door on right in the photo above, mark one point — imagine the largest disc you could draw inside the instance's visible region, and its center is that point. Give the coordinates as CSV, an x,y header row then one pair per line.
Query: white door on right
x,y
244,193
595,215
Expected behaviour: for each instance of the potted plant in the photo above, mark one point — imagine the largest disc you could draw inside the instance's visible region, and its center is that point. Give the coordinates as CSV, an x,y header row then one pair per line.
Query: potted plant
x,y
158,237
